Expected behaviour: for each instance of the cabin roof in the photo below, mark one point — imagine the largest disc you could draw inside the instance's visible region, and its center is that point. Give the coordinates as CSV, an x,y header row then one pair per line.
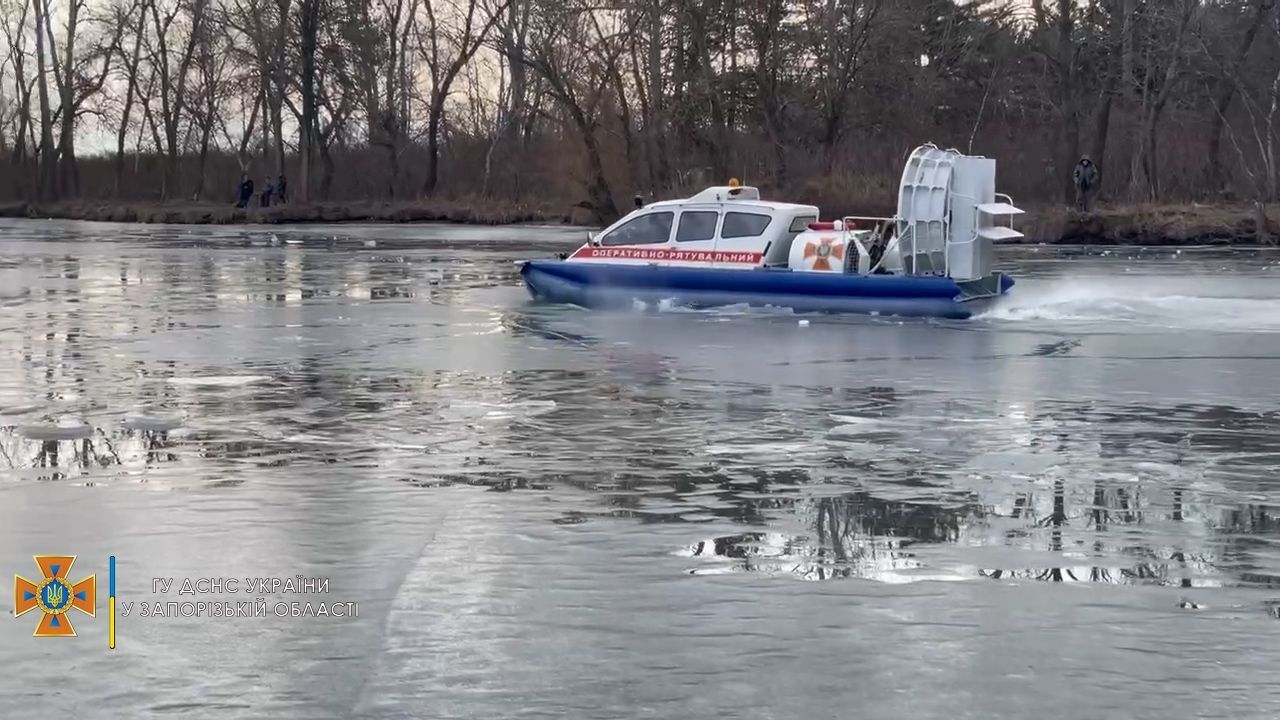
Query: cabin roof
x,y
726,193
726,197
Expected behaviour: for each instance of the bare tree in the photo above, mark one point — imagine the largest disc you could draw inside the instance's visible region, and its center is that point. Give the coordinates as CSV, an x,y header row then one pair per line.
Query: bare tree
x,y
78,78
308,35
384,73
337,90
208,92
518,98
1058,29
1166,54
173,72
45,152
840,37
696,29
650,84
578,99
133,22
1256,147
447,41
576,53
1236,51
16,20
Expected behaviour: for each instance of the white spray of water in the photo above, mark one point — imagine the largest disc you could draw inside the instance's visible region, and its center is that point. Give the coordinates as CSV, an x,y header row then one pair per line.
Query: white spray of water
x,y
1217,304
670,305
1225,302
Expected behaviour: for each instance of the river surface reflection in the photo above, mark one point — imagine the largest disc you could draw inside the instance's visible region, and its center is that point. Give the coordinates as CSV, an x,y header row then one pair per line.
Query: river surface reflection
x,y
1068,505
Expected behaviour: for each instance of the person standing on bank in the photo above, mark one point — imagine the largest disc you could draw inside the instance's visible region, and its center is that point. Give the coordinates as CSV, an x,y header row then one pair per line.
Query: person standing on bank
x,y
266,192
1085,177
244,191
280,196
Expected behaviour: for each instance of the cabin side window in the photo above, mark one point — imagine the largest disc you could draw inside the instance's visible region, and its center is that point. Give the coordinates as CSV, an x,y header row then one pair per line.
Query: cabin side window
x,y
780,250
697,225
647,229
801,222
740,225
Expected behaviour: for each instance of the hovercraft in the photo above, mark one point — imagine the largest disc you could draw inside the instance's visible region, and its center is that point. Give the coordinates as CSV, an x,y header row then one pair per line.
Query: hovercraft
x,y
727,246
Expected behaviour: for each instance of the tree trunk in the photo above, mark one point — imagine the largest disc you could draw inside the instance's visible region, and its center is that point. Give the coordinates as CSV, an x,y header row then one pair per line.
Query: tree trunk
x,y
718,133
434,113
1101,129
45,189
515,34
130,91
173,87
1069,132
601,196
205,130
624,118
1163,93
445,70
326,176
281,83
277,132
306,132
655,121
69,176
19,161
1261,231
393,157
1150,163
1225,93
1110,82
597,184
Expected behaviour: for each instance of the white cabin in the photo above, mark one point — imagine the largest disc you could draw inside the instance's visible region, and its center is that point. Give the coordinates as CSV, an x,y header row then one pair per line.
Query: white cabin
x,y
949,216
721,226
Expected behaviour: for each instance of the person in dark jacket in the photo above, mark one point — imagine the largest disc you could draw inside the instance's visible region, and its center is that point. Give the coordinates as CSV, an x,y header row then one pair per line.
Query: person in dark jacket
x,y
1085,178
280,186
244,191
266,193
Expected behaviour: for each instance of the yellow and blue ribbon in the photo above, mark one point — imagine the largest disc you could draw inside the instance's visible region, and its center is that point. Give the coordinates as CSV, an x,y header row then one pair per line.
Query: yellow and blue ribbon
x,y
111,622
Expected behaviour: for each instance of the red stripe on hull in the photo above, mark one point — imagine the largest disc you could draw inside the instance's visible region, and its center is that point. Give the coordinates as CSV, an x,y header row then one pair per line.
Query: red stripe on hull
x,y
665,254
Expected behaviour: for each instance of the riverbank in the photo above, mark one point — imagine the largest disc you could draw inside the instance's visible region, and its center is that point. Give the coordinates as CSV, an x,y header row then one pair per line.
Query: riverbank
x,y
1189,224
197,213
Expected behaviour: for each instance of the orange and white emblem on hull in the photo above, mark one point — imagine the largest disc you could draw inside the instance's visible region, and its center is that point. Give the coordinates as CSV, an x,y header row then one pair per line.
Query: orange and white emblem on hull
x,y
823,252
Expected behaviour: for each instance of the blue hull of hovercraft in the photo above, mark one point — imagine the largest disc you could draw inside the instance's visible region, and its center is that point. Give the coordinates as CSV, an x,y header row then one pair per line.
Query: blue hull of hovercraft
x,y
600,285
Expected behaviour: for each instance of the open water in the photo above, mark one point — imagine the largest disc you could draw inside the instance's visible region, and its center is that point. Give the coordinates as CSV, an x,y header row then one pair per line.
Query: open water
x,y
1068,507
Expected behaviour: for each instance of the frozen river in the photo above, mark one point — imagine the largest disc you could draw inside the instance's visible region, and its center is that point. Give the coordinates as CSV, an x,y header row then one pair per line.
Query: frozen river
x,y
1067,507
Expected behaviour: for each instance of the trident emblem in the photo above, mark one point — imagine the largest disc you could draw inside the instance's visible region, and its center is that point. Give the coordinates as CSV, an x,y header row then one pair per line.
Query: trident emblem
x,y
55,596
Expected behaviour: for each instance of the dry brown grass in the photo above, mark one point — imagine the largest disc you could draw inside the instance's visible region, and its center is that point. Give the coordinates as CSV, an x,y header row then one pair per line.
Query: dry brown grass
x,y
1182,224
1188,224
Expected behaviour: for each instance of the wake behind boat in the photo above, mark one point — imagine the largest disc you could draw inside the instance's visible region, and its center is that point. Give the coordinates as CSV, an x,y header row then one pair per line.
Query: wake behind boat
x,y
727,246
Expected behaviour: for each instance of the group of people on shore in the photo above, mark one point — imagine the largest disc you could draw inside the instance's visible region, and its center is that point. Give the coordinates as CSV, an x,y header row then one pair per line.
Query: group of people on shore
x,y
270,193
